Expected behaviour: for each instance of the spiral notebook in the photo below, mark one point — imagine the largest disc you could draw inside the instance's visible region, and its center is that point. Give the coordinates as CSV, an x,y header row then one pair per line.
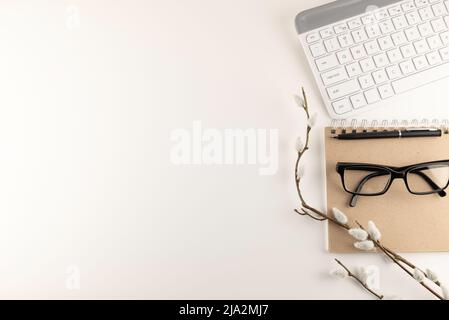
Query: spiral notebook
x,y
409,223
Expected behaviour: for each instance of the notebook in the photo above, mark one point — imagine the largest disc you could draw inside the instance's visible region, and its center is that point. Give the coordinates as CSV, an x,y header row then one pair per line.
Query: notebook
x,y
409,223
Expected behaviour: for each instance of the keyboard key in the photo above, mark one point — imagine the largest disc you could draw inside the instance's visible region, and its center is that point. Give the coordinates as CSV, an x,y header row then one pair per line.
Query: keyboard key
x,y
420,62
395,11
312,37
412,34
372,47
445,37
446,20
373,31
326,33
394,55
334,76
398,38
421,46
358,52
438,25
366,81
420,3
367,64
386,43
343,89
434,42
408,51
380,60
393,72
380,76
372,96
340,28
359,35
354,24
386,91
426,13
381,14
342,106
408,6
413,17
433,58
344,56
358,100
317,49
369,19
386,26
439,10
425,29
353,69
399,22
421,78
444,53
345,40
326,63
331,45
407,67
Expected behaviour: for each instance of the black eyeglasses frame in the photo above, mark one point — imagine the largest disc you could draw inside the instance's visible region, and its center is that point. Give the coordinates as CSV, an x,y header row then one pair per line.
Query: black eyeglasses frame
x,y
394,173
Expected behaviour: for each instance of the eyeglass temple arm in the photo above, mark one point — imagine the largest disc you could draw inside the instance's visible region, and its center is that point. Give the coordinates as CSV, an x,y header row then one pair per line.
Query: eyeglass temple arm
x,y
355,197
429,181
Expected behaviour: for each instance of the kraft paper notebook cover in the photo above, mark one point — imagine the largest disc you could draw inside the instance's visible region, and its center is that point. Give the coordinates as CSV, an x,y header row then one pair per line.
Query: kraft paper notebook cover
x,y
409,223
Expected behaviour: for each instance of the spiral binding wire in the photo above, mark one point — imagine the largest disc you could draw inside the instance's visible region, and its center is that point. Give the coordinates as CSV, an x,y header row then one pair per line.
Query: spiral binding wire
x,y
383,125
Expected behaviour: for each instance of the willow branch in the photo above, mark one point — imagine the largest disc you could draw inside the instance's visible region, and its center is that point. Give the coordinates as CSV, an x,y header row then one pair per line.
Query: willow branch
x,y
350,274
392,257
301,153
320,216
305,213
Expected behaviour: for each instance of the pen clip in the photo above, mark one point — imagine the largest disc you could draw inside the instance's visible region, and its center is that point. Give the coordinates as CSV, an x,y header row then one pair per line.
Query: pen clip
x,y
421,129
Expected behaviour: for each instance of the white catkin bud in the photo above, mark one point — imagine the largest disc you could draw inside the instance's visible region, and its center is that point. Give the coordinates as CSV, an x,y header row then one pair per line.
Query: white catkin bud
x,y
358,234
339,273
445,292
299,101
418,275
374,231
339,216
371,276
300,173
312,120
432,276
299,144
358,272
366,245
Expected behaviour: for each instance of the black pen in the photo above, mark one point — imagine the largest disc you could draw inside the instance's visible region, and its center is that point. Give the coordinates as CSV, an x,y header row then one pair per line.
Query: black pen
x,y
405,133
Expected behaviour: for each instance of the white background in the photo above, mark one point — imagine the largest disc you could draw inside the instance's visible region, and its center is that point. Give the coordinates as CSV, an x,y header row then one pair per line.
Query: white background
x,y
86,178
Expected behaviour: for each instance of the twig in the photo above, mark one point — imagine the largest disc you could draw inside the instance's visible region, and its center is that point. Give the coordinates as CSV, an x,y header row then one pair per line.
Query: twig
x,y
350,274
305,213
320,216
298,180
395,260
408,263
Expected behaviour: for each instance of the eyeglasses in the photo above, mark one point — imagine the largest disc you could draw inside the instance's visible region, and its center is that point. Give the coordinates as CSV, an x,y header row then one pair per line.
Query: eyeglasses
x,y
362,179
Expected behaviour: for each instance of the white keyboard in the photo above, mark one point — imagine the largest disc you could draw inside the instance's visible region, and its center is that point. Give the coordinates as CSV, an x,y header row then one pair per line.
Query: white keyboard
x,y
360,61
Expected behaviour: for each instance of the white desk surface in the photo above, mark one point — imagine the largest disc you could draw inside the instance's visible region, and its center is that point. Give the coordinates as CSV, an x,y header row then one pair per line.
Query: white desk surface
x,y
86,178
